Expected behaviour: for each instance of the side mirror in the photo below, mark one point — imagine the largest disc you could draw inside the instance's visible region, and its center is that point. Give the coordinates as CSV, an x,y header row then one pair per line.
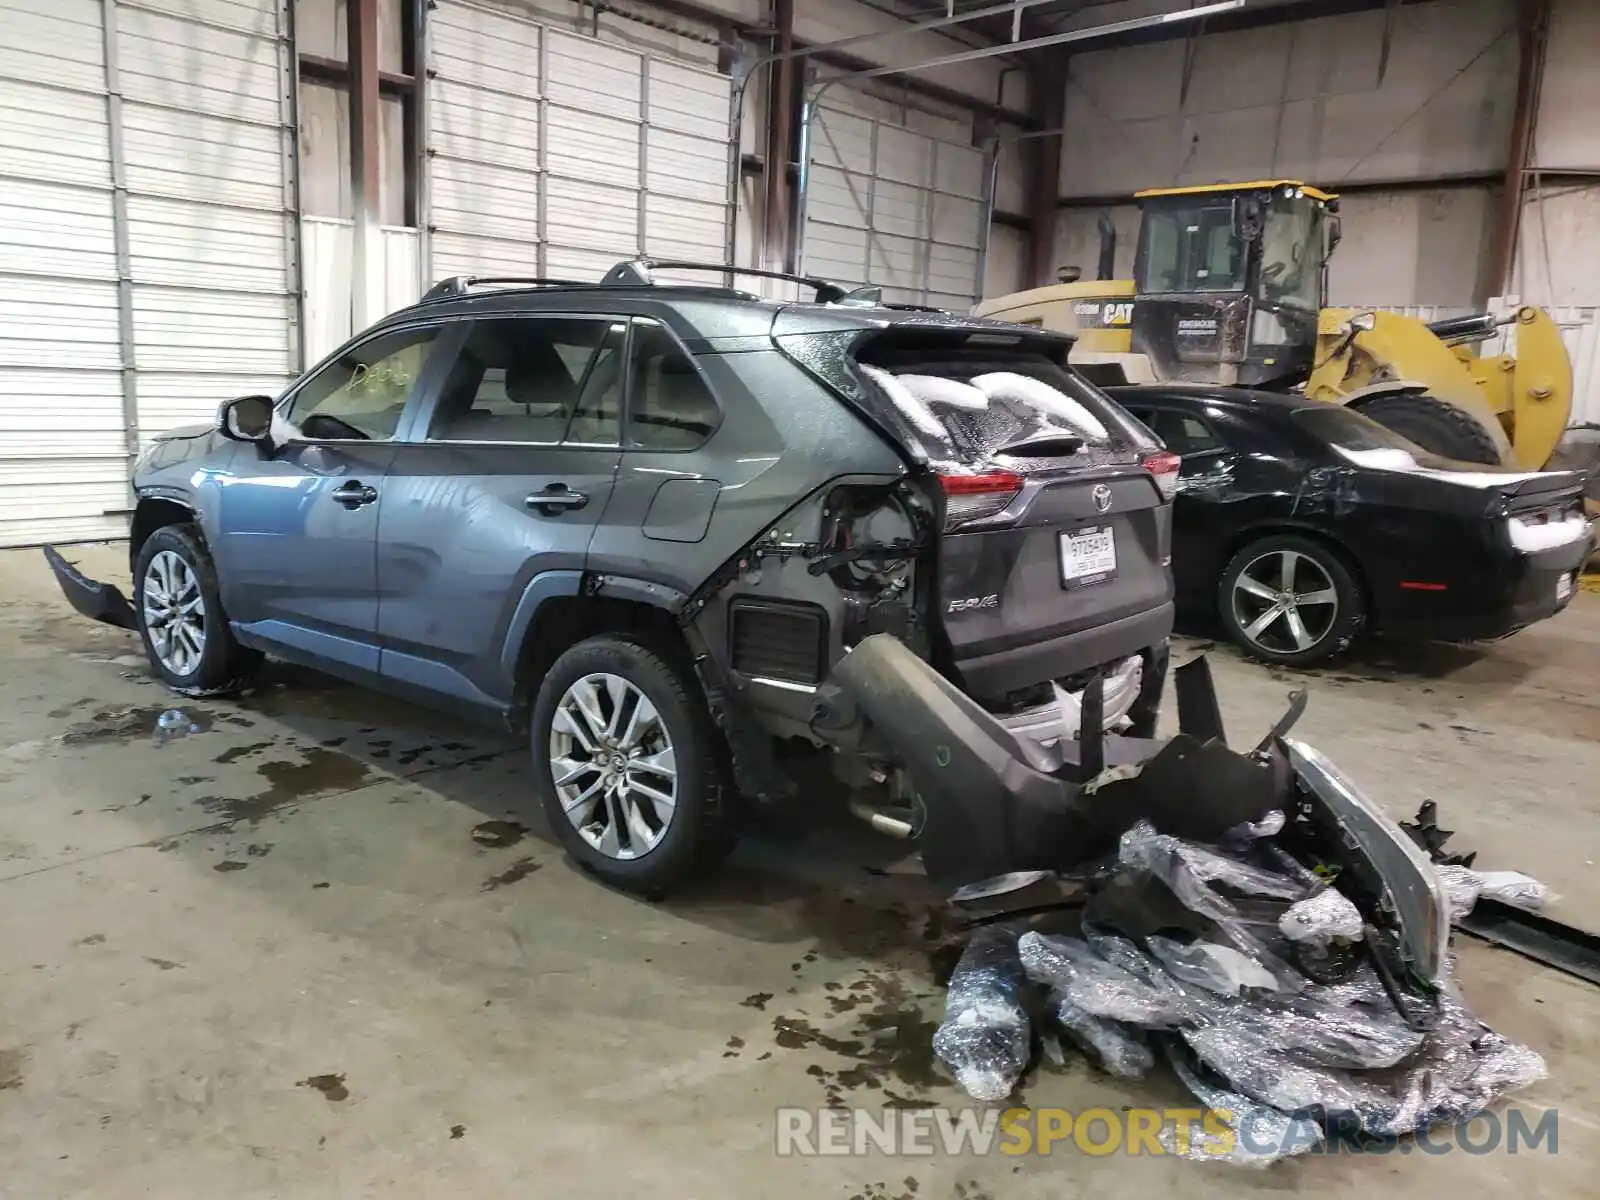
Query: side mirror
x,y
246,419
1335,233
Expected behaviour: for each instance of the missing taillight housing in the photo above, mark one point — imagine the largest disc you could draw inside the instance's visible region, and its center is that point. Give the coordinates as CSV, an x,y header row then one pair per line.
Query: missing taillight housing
x,y
1163,467
971,497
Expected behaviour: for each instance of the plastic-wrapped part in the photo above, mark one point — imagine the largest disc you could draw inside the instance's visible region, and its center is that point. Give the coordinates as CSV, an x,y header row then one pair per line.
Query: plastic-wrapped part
x,y
1188,870
1461,888
1270,825
1239,1052
1345,1039
1186,867
1115,1046
1257,1136
1097,987
1215,967
1318,920
984,1039
1514,888
1464,887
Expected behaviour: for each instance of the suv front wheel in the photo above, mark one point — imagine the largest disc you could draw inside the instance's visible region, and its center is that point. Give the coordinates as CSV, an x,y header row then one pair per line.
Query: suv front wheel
x,y
629,766
181,622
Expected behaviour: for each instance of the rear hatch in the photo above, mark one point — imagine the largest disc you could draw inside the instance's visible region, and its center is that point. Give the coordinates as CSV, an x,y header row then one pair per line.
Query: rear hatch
x,y
1055,503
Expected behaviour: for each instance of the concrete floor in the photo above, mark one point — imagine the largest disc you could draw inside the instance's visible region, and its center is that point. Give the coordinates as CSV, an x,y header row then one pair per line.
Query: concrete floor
x,y
191,935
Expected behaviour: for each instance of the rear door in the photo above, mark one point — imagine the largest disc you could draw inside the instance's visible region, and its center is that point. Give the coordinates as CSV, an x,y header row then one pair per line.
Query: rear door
x,y
502,481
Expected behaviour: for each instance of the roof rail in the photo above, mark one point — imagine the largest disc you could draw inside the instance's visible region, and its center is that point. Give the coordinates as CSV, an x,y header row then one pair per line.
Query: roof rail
x,y
460,285
637,271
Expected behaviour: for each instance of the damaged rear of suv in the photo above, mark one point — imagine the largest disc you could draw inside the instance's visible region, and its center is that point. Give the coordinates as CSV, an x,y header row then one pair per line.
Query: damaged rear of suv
x,y
645,523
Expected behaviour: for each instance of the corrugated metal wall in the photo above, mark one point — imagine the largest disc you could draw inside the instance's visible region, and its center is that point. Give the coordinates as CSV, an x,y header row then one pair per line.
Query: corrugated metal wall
x,y
146,258
891,206
553,154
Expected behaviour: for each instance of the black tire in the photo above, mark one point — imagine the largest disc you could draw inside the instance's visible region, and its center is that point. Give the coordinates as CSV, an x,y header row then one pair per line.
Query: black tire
x,y
1434,425
1331,632
223,666
699,833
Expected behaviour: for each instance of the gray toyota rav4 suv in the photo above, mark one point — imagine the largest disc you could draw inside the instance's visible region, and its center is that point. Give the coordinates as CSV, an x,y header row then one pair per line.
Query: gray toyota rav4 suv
x,y
642,521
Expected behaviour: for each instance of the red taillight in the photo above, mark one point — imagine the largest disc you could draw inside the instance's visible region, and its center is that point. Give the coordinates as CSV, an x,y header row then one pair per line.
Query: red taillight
x,y
971,497
1163,465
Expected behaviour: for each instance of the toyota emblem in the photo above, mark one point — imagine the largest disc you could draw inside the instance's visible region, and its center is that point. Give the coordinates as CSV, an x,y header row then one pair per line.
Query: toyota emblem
x,y
1102,497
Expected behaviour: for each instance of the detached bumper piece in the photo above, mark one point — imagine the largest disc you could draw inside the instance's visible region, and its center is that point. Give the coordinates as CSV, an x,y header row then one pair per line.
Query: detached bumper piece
x,y
102,601
1252,920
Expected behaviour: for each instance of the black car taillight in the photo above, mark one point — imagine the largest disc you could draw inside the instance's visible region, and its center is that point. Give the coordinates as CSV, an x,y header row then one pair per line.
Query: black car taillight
x,y
970,497
1163,466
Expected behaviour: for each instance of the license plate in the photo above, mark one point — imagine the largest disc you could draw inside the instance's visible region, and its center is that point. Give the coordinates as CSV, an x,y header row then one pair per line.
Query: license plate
x,y
1564,586
1088,555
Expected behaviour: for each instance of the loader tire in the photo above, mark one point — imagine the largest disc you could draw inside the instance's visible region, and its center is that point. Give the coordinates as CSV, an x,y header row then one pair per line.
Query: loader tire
x,y
1434,425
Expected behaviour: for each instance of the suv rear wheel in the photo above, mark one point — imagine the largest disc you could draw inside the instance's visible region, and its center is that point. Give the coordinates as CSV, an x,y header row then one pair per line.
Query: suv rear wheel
x,y
1290,600
179,611
629,766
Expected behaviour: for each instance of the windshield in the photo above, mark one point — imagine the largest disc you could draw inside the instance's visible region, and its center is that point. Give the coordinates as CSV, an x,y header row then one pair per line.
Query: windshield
x,y
1190,250
1291,253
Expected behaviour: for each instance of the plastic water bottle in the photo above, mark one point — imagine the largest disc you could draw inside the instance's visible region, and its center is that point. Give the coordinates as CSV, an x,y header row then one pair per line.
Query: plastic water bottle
x,y
173,724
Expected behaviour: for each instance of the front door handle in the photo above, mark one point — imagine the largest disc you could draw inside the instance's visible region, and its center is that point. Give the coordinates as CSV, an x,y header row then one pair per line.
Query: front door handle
x,y
354,494
555,498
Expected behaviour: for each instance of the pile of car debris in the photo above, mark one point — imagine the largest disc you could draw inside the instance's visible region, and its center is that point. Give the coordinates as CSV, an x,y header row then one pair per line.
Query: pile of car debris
x,y
1292,968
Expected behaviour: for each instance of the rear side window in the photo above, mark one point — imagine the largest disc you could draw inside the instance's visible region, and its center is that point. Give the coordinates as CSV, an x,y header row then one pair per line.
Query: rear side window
x,y
1183,434
968,411
669,405
1347,430
535,379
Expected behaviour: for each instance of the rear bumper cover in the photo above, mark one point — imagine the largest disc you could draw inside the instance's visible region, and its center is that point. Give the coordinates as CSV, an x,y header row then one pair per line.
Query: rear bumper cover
x,y
101,601
990,676
1468,612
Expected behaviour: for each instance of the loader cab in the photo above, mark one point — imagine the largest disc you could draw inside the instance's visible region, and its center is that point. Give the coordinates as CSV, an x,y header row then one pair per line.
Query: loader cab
x,y
1229,279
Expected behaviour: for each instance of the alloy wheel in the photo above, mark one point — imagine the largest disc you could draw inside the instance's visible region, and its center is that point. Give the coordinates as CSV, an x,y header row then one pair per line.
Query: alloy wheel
x,y
1284,601
612,762
174,613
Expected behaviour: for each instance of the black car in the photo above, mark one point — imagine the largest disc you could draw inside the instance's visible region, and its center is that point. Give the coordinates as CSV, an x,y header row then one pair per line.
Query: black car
x,y
642,523
1301,523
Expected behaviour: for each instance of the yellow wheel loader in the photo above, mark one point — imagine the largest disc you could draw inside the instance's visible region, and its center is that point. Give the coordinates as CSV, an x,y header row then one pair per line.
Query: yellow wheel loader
x,y
1229,287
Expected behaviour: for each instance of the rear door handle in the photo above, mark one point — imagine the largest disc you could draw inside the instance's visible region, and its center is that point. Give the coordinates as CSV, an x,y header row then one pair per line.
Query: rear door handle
x,y
554,498
354,494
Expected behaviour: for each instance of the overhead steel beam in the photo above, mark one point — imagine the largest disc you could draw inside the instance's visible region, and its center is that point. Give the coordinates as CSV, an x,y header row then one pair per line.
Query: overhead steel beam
x,y
1096,33
1049,95
1054,39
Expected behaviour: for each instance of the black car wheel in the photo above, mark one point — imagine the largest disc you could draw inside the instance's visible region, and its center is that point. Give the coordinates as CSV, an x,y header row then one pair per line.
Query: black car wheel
x,y
179,612
629,765
1290,600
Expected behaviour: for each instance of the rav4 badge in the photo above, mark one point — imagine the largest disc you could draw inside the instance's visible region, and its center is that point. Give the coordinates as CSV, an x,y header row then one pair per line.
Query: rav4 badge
x,y
990,601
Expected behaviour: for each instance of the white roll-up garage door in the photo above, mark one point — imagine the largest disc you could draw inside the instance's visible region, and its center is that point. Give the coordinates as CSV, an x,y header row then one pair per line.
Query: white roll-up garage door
x,y
892,207
146,254
557,155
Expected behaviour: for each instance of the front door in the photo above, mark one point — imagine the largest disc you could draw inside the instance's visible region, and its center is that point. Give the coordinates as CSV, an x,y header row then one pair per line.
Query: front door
x,y
299,521
500,484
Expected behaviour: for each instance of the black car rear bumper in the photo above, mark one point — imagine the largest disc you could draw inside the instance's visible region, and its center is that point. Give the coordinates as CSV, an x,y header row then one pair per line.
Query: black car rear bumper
x,y
1531,591
102,601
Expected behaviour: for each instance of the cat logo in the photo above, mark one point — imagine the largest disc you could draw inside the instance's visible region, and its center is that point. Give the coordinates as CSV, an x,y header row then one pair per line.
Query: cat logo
x,y
1117,314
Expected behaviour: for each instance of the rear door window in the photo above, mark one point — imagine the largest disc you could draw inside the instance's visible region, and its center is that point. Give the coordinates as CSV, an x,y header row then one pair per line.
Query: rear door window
x,y
1183,434
541,380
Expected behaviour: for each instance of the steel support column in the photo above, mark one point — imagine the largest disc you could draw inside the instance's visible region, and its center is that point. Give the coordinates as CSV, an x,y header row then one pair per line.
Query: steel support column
x,y
775,237
1048,91
1533,31
362,39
